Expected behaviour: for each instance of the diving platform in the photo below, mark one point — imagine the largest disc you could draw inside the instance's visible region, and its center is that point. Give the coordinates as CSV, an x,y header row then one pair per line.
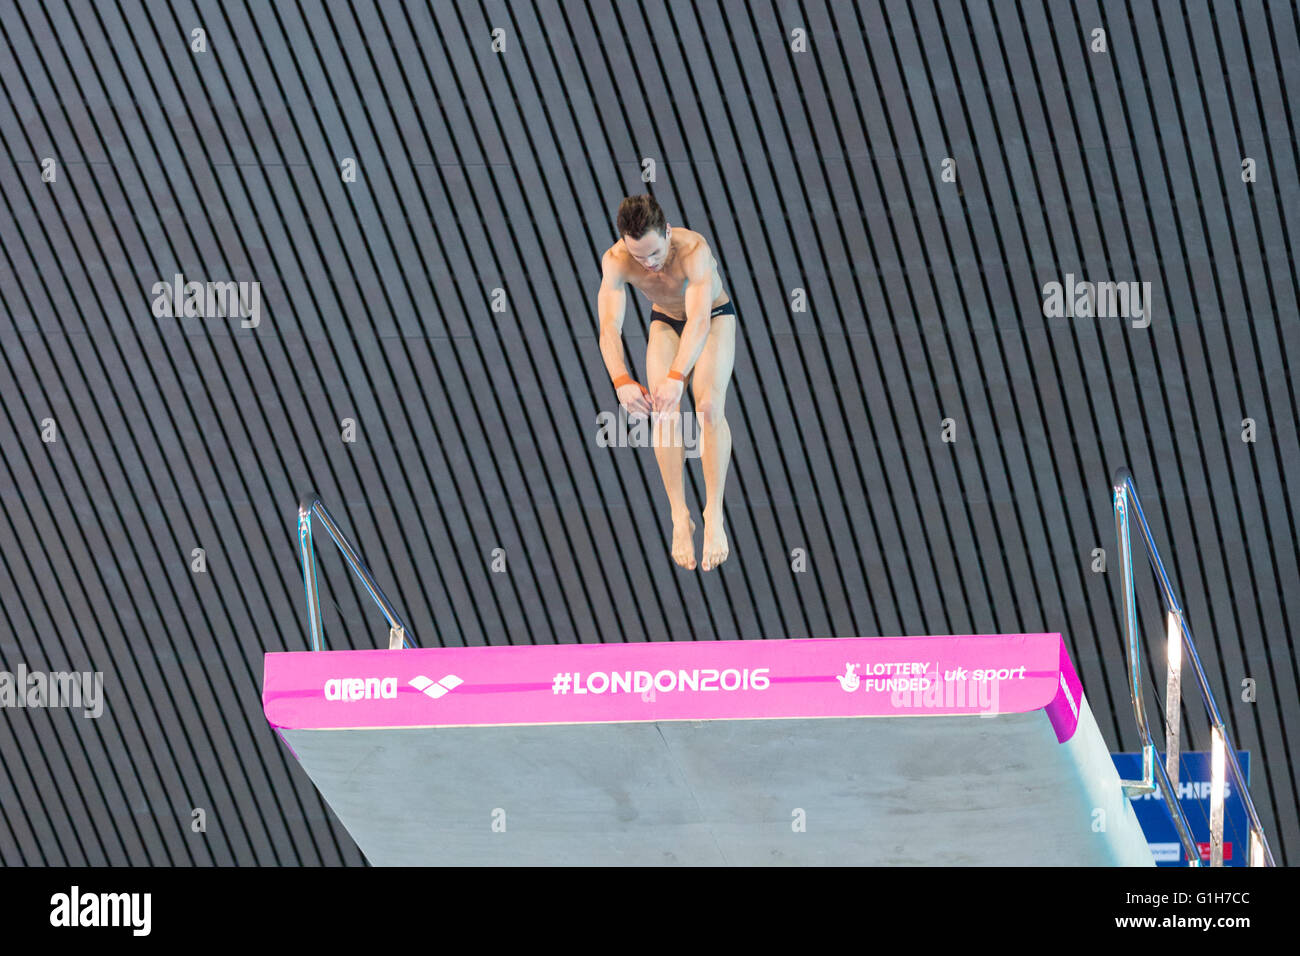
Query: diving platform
x,y
897,751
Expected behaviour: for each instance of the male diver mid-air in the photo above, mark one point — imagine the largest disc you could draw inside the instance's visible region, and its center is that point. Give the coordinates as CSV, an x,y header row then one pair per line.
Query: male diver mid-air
x,y
692,337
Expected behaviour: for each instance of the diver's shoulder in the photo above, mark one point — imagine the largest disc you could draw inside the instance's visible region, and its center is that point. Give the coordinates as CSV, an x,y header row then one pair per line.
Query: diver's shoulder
x,y
691,239
616,256
694,251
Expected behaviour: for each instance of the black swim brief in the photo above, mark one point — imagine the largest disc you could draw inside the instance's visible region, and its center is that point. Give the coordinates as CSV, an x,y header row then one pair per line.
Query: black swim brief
x,y
727,308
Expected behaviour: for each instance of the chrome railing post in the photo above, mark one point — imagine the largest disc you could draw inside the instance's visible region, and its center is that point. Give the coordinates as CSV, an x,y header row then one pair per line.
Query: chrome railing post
x,y
309,576
1178,641
1173,690
1151,768
1146,784
310,506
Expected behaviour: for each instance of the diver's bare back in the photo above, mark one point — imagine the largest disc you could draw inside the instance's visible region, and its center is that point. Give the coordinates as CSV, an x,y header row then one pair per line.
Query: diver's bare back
x,y
666,289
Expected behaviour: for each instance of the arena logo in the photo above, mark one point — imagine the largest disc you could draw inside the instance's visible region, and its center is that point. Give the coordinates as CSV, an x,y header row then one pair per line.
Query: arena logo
x,y
357,688
619,430
210,300
1102,300
435,688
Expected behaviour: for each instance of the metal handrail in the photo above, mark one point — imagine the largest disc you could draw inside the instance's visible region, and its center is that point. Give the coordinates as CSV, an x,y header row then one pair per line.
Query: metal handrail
x,y
1125,493
309,505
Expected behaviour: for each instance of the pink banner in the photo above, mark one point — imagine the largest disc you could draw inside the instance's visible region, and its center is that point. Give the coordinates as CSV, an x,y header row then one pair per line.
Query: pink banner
x,y
592,683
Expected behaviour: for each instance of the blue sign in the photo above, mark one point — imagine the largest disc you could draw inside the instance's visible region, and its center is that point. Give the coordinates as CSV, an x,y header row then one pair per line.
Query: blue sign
x,y
1194,797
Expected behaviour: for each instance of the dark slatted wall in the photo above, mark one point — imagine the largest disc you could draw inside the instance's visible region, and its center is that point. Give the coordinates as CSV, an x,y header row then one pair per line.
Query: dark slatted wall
x,y
444,301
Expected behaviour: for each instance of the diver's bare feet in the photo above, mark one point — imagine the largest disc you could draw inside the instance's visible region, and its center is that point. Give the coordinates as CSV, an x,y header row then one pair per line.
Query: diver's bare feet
x,y
684,542
715,549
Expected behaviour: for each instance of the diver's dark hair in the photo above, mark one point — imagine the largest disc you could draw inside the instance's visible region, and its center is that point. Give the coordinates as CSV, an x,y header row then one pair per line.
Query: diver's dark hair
x,y
638,215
